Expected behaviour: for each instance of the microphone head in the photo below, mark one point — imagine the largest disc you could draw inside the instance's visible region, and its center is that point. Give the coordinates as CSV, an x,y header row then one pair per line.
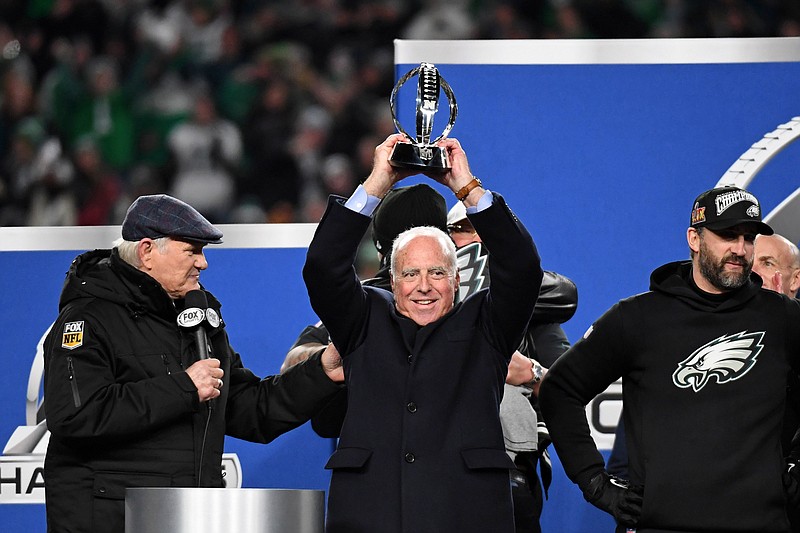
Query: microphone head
x,y
194,313
196,298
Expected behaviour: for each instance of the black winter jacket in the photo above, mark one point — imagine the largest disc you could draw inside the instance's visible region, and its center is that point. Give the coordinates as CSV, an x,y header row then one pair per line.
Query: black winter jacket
x,y
421,448
123,412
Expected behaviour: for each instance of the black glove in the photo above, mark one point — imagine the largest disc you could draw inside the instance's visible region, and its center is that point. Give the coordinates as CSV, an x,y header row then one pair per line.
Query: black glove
x,y
616,497
791,482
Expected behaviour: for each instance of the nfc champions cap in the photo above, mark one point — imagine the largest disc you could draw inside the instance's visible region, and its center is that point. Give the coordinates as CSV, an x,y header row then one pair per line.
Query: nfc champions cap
x,y
725,207
159,215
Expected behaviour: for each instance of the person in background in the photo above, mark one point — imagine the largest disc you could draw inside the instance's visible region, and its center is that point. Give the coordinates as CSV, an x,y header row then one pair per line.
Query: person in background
x,y
524,429
704,358
205,155
130,400
421,448
777,261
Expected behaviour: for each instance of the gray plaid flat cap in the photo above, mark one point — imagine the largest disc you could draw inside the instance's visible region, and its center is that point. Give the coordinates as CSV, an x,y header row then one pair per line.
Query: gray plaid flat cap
x,y
160,215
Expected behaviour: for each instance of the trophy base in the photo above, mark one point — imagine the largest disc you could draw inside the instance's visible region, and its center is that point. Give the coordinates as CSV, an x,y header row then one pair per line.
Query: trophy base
x,y
424,158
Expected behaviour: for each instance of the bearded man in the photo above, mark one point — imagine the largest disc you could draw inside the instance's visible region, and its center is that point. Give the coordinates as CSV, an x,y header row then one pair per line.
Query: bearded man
x,y
704,358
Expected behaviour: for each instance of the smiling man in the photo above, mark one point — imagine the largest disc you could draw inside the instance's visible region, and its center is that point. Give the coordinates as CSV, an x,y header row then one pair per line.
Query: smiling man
x,y
421,448
424,274
705,358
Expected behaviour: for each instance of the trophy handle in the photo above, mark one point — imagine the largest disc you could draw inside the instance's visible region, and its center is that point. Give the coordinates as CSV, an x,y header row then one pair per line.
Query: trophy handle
x,y
427,101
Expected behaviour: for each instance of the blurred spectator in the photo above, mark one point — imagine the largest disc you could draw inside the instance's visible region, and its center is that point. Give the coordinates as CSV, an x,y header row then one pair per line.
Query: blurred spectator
x,y
17,99
17,172
441,19
63,85
201,25
37,180
104,111
225,76
273,180
206,153
337,175
51,197
312,130
98,188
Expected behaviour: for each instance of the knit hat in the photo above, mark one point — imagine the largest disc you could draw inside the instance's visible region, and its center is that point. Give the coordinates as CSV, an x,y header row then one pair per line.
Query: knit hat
x,y
159,215
725,207
407,207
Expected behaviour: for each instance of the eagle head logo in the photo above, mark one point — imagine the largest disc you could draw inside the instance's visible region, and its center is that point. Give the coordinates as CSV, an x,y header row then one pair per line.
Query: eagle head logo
x,y
724,359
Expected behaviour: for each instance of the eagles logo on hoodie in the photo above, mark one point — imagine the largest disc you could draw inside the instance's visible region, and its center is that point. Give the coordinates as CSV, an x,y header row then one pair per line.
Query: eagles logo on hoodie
x,y
724,359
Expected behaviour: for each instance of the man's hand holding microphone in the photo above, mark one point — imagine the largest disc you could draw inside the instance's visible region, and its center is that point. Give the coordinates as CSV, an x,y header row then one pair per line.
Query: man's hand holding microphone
x,y
206,373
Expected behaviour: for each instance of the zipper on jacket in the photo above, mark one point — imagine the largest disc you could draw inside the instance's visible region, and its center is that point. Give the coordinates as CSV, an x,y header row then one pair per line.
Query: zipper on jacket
x,y
166,363
76,398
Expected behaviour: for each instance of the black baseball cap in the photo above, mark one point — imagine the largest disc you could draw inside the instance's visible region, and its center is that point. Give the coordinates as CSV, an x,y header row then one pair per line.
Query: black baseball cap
x,y
159,215
404,208
725,207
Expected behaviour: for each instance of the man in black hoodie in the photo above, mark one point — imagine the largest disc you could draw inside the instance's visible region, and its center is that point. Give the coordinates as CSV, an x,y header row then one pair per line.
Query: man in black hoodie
x,y
704,357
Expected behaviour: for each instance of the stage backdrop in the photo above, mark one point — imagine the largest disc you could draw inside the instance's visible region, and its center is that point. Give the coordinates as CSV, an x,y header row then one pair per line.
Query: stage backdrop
x,y
599,147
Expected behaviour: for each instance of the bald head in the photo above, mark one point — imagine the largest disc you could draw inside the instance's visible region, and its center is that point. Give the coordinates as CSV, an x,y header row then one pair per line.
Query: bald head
x,y
777,261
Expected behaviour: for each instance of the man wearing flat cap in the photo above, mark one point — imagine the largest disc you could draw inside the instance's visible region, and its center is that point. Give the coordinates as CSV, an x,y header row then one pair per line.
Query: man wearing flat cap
x,y
705,358
130,400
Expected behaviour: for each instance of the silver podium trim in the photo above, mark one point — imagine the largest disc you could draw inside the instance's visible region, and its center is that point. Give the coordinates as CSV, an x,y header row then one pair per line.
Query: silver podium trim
x,y
189,510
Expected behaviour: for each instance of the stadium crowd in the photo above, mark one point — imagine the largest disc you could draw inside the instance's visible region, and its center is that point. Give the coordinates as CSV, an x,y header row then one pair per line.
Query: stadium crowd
x,y
253,111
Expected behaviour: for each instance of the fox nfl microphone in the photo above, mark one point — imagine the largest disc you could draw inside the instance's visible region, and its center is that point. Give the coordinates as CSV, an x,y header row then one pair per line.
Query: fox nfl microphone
x,y
193,318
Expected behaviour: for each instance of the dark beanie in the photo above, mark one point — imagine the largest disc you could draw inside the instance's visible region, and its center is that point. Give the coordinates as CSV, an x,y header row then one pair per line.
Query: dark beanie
x,y
407,207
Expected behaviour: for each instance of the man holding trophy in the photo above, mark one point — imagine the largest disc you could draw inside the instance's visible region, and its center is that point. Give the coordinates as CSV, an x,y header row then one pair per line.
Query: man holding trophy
x,y
421,448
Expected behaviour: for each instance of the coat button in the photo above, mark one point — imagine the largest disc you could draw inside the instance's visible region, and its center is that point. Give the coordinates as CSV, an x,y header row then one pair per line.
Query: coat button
x,y
412,407
410,358
410,458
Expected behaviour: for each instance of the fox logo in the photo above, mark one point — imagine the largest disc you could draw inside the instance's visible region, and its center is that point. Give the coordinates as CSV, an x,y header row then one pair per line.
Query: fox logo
x,y
473,270
725,359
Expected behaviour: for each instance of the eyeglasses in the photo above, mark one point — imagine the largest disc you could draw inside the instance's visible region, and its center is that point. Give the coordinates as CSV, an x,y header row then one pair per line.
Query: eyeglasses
x,y
461,228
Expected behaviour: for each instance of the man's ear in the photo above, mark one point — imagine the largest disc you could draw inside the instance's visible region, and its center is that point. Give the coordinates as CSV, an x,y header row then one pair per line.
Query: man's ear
x,y
693,239
794,281
144,251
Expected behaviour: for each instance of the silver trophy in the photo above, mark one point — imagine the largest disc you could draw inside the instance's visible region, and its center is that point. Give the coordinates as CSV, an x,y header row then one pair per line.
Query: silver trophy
x,y
421,153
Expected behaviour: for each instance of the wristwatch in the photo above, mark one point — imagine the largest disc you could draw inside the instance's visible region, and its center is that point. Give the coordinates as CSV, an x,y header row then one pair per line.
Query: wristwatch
x,y
538,374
